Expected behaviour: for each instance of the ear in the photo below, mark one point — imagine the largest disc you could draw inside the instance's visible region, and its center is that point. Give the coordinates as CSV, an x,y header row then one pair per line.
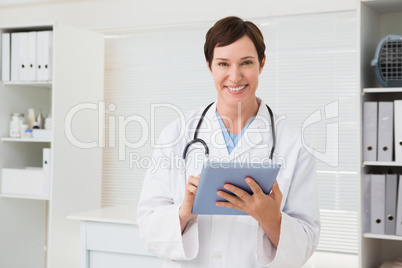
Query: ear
x,y
263,63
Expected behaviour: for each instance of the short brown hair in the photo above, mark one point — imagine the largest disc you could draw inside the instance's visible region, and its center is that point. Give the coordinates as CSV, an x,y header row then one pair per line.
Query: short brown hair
x,y
227,31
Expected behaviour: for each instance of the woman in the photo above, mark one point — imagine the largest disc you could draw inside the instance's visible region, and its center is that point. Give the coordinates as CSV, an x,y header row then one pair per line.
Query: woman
x,y
282,228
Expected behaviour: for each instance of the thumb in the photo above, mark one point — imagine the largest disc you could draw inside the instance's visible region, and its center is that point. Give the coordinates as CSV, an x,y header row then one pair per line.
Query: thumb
x,y
276,191
190,194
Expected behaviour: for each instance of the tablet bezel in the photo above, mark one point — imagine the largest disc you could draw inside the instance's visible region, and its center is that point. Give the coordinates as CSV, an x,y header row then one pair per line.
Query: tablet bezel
x,y
215,175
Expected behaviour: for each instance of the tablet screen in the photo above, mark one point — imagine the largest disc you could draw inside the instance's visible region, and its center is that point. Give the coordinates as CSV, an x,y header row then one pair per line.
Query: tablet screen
x,y
215,175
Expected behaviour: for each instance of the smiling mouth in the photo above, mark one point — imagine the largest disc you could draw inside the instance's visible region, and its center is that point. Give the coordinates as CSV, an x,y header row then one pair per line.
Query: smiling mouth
x,y
236,89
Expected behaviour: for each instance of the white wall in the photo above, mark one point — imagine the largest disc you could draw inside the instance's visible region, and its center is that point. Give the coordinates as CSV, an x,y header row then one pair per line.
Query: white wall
x,y
112,14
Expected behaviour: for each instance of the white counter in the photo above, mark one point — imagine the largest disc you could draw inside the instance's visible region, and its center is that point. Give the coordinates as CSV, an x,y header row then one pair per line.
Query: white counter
x,y
110,238
125,214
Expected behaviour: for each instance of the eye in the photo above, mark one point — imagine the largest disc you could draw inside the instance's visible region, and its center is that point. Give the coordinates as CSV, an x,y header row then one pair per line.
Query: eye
x,y
223,64
247,62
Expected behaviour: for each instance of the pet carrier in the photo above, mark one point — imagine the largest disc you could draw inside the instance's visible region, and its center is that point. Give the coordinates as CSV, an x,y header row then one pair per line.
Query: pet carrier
x,y
388,61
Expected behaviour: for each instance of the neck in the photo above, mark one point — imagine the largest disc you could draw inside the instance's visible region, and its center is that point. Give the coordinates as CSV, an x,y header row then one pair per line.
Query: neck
x,y
236,117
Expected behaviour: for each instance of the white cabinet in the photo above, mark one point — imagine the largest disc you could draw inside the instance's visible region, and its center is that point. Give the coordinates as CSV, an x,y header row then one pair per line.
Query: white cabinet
x,y
378,19
34,230
110,238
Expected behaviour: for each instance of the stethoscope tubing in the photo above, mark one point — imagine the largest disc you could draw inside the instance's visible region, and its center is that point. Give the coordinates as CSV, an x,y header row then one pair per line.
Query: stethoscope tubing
x,y
198,140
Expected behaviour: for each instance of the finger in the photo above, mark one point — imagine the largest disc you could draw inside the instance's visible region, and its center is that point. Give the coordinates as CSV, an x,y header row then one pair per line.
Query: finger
x,y
237,191
275,187
230,198
227,205
276,191
191,188
193,180
254,186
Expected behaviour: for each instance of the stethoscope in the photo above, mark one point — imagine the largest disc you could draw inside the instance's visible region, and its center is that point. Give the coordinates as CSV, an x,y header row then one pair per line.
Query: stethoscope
x,y
195,139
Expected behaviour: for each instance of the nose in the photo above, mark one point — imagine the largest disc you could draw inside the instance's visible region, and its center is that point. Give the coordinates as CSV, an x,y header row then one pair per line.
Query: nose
x,y
235,75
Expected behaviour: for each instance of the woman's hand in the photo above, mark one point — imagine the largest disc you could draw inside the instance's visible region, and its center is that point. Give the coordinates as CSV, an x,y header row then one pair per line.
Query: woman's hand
x,y
185,213
266,209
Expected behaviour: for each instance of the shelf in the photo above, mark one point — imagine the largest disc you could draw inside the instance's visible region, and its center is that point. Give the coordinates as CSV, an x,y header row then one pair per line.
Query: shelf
x,y
386,237
382,164
27,27
384,6
7,139
26,207
378,18
33,197
382,90
41,84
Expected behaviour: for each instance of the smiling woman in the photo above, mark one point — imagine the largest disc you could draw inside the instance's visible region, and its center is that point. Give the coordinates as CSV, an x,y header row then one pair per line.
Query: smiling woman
x,y
235,69
282,227
235,54
311,62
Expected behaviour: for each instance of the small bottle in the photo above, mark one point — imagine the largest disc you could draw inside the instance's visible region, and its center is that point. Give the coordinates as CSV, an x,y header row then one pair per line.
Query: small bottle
x,y
23,128
28,133
40,121
15,125
31,119
48,123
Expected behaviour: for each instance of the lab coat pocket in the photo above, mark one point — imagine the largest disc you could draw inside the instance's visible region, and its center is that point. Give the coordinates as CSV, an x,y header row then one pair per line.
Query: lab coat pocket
x,y
246,220
246,227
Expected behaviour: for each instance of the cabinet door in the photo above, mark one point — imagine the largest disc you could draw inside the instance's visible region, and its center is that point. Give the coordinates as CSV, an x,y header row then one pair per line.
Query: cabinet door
x,y
99,259
110,245
114,237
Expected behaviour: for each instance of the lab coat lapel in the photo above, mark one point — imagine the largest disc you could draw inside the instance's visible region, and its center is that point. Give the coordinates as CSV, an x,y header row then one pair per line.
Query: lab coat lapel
x,y
252,137
211,133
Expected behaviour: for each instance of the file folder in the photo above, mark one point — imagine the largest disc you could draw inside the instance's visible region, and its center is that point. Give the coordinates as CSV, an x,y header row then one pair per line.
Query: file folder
x,y
44,55
23,51
46,171
385,131
367,203
390,203
15,56
370,117
32,52
377,203
399,209
5,56
398,130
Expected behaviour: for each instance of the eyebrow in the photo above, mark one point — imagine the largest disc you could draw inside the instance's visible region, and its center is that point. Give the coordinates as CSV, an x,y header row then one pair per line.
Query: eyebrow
x,y
247,57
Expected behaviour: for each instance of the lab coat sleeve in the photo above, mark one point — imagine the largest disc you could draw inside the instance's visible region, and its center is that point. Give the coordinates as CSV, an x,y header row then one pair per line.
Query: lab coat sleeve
x,y
300,226
158,214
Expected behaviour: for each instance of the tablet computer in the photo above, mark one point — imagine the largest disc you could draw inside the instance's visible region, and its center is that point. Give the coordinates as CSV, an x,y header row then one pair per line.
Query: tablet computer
x,y
215,175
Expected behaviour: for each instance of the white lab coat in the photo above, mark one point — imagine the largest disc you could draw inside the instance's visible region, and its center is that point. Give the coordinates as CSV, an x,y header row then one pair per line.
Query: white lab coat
x,y
222,240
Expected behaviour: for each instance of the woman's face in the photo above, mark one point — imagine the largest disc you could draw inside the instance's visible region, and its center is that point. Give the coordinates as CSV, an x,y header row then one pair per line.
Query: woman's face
x,y
235,69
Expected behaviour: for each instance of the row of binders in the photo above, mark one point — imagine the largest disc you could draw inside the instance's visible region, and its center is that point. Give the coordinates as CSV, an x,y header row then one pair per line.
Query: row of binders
x,y
27,56
383,204
382,131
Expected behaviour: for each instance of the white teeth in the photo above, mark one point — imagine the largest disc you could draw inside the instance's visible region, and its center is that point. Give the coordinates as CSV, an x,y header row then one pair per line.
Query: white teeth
x,y
236,88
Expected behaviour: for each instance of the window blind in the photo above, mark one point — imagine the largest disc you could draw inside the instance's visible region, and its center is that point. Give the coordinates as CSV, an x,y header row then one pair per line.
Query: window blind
x,y
311,71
